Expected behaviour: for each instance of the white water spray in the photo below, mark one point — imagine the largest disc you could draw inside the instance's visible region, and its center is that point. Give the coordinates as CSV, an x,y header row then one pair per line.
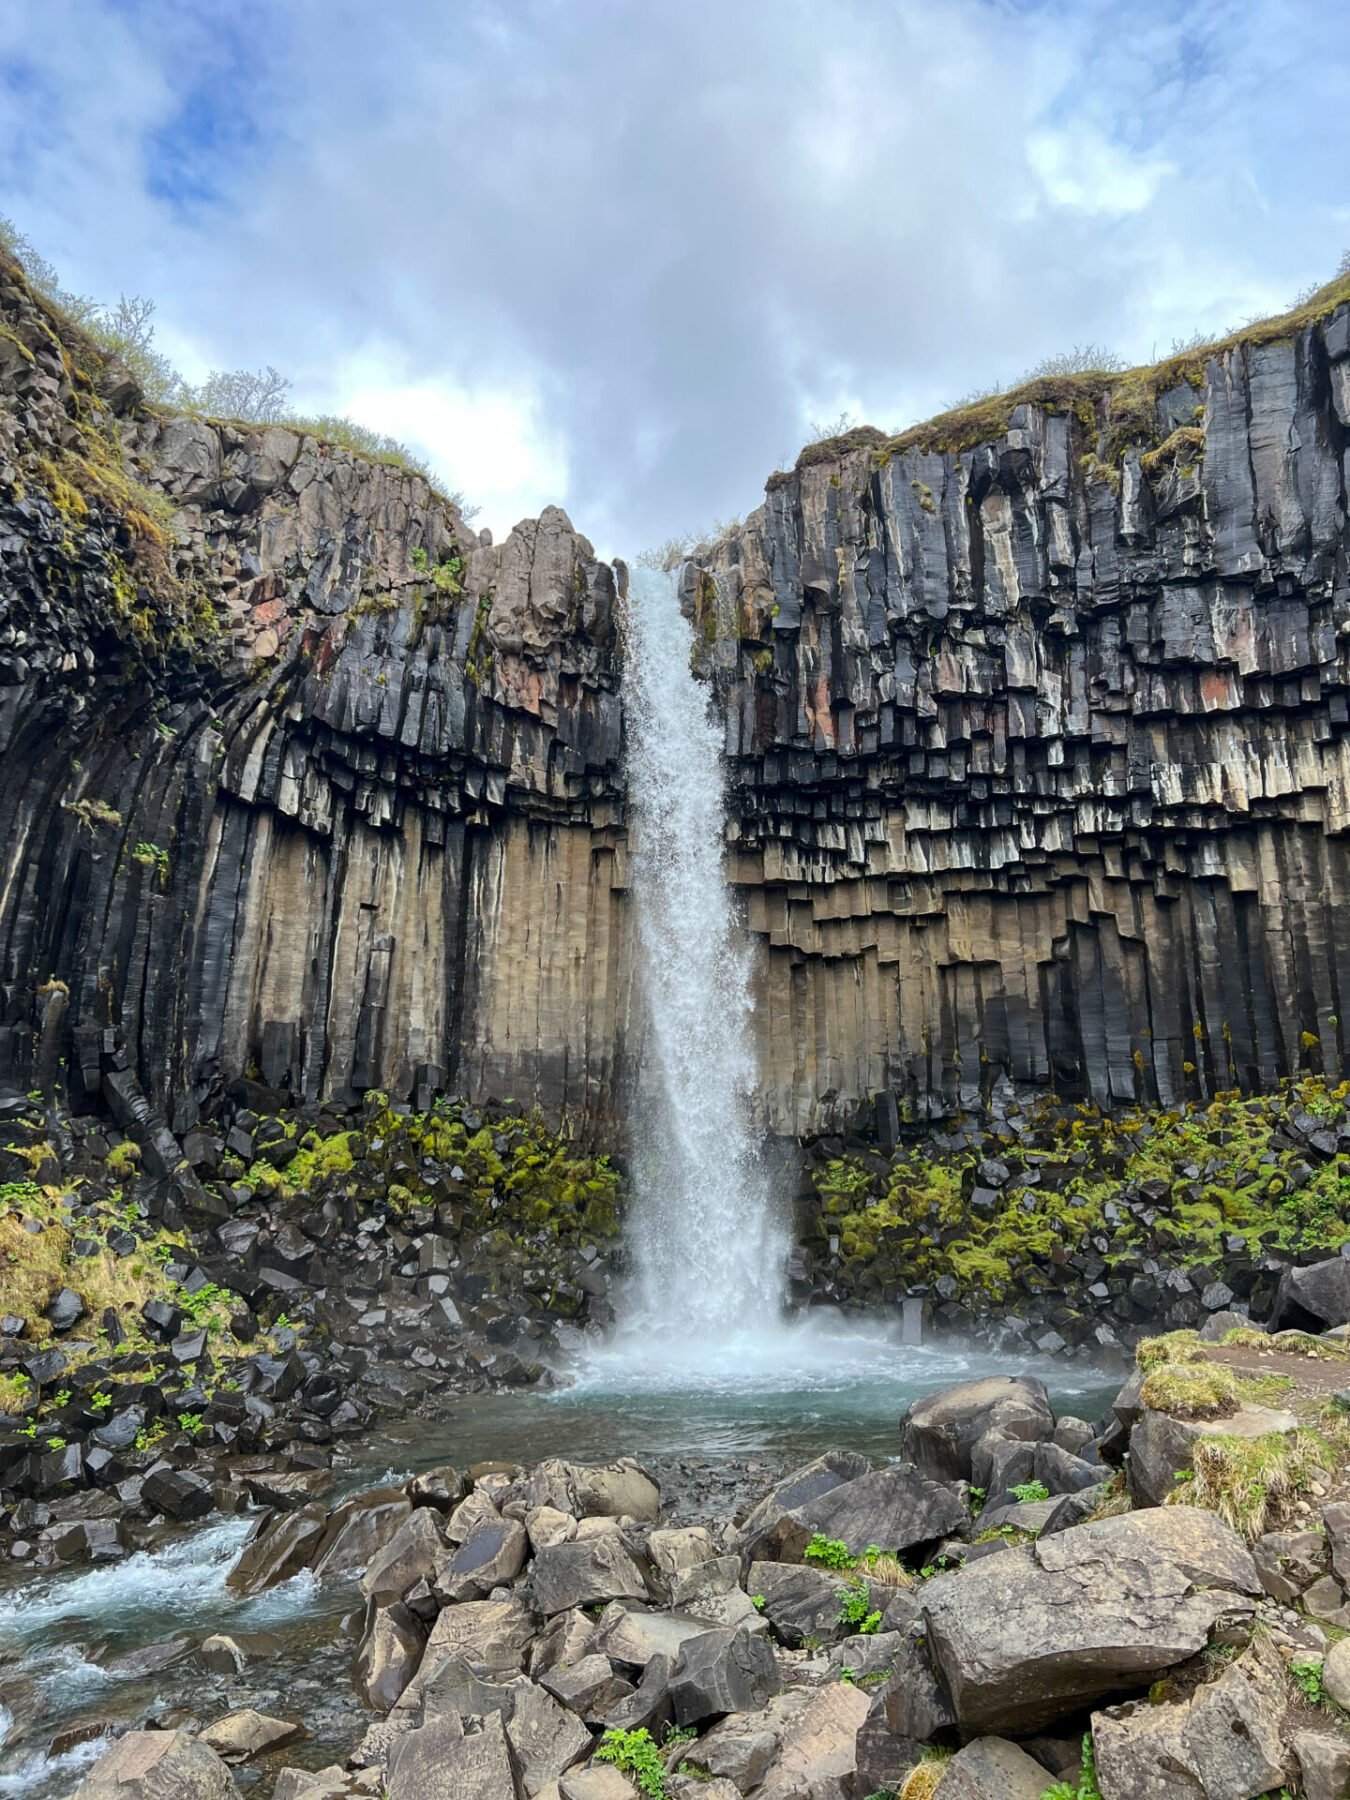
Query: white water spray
x,y
708,1242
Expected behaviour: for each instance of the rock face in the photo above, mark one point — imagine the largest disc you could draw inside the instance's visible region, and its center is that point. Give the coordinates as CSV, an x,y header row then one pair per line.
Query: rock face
x,y
299,773
1038,728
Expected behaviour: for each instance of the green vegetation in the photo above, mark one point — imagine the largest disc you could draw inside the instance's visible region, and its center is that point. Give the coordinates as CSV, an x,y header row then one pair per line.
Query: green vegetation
x,y
914,1212
1085,1788
637,1754
1115,408
830,1553
1257,1483
1030,1490
922,1781
855,1609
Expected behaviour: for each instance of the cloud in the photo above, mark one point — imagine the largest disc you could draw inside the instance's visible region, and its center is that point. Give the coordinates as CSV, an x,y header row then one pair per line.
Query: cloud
x,y
621,254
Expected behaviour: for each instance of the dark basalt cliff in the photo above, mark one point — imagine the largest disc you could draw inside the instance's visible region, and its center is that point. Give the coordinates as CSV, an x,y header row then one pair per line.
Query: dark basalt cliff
x,y
1037,719
299,779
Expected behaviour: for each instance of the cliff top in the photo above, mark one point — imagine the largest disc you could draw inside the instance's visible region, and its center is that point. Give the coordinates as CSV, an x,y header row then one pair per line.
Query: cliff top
x,y
1120,404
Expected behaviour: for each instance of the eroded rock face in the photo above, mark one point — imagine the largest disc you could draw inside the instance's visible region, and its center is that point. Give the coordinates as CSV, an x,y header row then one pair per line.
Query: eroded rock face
x,y
1021,1636
158,1765
371,760
1039,761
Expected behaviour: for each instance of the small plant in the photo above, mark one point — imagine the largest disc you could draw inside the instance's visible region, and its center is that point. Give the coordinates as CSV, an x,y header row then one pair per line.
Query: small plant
x,y
201,1304
61,1399
124,1159
848,1676
99,1401
1307,1678
150,856
636,1754
757,1601
855,1609
978,1496
149,1436
56,1443
679,1734
1086,1786
1030,1490
190,1422
830,1553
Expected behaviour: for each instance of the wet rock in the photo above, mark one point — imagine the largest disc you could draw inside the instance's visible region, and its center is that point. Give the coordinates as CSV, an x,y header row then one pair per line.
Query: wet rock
x,y
993,1769
158,1765
1222,1740
722,1671
243,1735
1021,1637
938,1432
226,1653
176,1493
150,1659
65,1310
281,1545
289,1489
797,1489
586,1573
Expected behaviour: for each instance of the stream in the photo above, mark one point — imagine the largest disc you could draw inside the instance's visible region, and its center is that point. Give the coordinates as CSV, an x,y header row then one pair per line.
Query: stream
x,y
710,1436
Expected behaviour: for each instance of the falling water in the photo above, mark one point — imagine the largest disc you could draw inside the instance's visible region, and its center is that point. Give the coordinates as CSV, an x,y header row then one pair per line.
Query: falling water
x,y
708,1241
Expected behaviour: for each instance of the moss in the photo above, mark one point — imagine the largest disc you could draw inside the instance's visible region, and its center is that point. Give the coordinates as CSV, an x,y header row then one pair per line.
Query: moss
x,y
1206,1390
1256,1483
1182,449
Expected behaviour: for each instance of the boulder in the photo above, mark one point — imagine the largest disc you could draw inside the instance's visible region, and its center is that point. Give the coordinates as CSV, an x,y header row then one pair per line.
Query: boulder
x,y
723,1671
445,1760
675,1550
633,1637
1313,1298
545,1737
1336,1673
546,1526
992,1769
648,1706
802,1485
937,1433
1221,1742
817,1756
621,1489
240,1736
799,1601
1289,1562
158,1765
281,1545
1022,1637
410,1555
491,1635
491,1556
358,1530
565,1639
585,1573
590,1688
1161,1447
389,1655
1324,1763
896,1508
703,1581
743,1746
603,1782
1336,1518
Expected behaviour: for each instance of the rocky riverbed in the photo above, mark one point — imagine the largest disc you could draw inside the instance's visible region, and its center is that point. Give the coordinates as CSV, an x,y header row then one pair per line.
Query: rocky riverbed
x,y
1007,1604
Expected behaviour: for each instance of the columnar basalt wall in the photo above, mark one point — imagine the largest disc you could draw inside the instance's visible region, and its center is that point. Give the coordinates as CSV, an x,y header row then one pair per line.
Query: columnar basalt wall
x,y
299,779
1041,769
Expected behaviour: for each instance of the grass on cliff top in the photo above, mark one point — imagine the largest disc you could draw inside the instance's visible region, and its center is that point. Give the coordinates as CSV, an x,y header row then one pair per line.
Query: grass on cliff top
x,y
1120,405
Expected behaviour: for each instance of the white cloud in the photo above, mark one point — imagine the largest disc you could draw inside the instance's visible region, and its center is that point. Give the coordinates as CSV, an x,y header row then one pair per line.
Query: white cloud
x,y
491,444
1081,170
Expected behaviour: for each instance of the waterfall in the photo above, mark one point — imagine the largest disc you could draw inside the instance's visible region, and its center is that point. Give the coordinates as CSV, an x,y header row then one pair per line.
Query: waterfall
x,y
707,1240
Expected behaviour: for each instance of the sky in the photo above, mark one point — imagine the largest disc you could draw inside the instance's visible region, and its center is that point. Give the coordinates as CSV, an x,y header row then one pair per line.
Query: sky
x,y
624,255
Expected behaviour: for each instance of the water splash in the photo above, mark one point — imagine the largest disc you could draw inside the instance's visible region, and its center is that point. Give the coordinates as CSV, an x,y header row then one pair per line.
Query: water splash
x,y
709,1242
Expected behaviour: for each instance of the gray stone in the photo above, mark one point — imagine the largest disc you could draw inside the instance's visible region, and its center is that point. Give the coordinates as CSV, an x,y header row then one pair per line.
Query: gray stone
x,y
817,1755
1336,1672
545,1737
633,1636
589,1572
590,1688
723,1671
937,1433
491,1635
243,1735
1161,1447
602,1782
1221,1741
389,1655
1021,1637
1288,1562
992,1769
443,1760
797,1489
799,1601
1314,1297
1324,1763
741,1748
358,1530
280,1547
411,1554
621,1489
158,1765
